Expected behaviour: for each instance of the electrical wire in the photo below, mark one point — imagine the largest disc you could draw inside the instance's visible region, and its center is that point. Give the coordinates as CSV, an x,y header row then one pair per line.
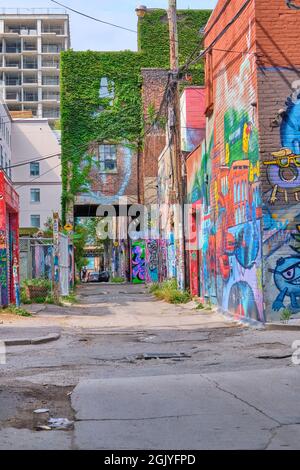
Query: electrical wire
x,y
37,177
219,36
32,161
93,18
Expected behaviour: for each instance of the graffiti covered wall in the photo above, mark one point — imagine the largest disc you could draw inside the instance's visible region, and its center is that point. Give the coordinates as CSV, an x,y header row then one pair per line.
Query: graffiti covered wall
x,y
227,179
138,262
280,164
279,123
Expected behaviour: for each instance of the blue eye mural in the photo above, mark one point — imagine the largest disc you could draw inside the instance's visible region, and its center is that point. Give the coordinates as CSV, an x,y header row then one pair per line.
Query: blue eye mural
x,y
290,127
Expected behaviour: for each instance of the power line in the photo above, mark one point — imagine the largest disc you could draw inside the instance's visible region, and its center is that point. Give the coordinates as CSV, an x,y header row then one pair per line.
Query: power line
x,y
37,177
33,161
219,36
93,18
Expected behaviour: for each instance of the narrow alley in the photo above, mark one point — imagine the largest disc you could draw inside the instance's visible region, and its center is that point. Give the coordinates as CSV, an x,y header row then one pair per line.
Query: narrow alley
x,y
129,371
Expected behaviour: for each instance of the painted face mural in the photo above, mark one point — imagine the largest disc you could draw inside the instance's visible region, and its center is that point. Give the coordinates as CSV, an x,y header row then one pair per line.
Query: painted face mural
x,y
283,173
287,280
152,260
119,180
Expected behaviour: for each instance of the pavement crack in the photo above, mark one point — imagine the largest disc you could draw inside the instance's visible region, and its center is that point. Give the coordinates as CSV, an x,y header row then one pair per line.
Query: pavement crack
x,y
218,386
150,418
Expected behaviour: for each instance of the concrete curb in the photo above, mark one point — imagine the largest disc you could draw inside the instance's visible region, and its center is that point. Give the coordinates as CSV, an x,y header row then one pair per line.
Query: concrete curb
x,y
282,327
30,341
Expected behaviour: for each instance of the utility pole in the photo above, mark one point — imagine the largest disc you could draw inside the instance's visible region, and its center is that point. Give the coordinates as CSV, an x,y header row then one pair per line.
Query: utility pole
x,y
174,102
175,141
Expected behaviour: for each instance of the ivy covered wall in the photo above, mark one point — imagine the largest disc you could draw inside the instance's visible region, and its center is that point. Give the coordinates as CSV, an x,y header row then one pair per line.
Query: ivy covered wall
x,y
153,38
87,115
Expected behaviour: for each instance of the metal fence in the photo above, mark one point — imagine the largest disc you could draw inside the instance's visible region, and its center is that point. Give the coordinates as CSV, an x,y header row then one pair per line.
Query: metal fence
x,y
36,262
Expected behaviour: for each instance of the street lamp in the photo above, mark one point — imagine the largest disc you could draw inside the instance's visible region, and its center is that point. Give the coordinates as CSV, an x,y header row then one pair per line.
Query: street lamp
x,y
141,11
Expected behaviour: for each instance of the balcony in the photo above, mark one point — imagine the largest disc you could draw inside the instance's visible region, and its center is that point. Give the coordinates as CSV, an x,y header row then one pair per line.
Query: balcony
x,y
50,96
50,113
13,49
30,80
26,31
13,81
12,96
30,64
29,47
12,63
30,96
53,29
52,48
50,81
51,64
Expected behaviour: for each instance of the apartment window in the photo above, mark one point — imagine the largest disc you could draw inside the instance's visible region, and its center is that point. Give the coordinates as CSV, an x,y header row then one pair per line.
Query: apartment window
x,y
35,221
108,158
35,195
34,169
107,88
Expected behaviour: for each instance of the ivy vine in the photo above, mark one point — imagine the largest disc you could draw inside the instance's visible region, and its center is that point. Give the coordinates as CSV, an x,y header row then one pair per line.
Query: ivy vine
x,y
87,116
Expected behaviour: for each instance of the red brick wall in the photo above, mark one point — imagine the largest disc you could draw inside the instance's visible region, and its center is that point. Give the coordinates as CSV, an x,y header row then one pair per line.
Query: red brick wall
x,y
154,85
228,179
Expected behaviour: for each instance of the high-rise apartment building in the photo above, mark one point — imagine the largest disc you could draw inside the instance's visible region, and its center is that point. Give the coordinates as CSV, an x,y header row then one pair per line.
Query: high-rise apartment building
x,y
30,44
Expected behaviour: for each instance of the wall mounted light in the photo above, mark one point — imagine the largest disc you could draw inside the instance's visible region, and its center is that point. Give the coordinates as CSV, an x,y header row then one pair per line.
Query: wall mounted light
x,y
141,11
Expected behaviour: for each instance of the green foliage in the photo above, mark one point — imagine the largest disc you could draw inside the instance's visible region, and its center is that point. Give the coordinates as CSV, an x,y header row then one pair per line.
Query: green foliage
x,y
169,292
70,299
38,283
117,280
16,311
285,315
153,38
88,118
80,238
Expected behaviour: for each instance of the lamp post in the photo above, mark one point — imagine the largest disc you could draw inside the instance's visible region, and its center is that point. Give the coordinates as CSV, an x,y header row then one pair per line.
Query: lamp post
x,y
141,11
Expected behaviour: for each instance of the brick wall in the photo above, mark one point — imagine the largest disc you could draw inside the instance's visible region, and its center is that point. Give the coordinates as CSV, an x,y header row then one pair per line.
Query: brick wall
x,y
154,84
228,178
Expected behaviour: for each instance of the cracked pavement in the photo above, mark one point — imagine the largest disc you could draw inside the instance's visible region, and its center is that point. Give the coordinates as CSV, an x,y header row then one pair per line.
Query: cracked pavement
x,y
236,387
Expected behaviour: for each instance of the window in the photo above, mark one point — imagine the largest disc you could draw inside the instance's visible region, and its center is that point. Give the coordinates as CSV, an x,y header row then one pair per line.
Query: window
x,y
35,221
34,169
35,195
107,89
108,158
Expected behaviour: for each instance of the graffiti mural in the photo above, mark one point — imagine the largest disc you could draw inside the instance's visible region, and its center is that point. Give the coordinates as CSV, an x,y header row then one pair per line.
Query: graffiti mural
x,y
223,180
283,173
138,262
107,187
282,216
152,260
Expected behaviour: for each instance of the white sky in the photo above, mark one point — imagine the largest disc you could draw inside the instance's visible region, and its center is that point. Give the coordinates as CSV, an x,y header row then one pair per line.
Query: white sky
x,y
88,34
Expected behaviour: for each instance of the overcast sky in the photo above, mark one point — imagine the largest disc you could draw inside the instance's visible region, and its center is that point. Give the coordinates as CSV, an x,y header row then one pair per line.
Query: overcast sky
x,y
88,34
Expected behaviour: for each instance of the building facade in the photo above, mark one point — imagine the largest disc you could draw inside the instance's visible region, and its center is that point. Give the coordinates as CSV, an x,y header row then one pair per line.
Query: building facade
x,y
9,241
243,179
5,139
30,46
109,157
38,183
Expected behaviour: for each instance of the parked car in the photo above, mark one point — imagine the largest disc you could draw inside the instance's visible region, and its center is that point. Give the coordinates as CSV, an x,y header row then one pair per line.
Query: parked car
x,y
103,276
93,277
